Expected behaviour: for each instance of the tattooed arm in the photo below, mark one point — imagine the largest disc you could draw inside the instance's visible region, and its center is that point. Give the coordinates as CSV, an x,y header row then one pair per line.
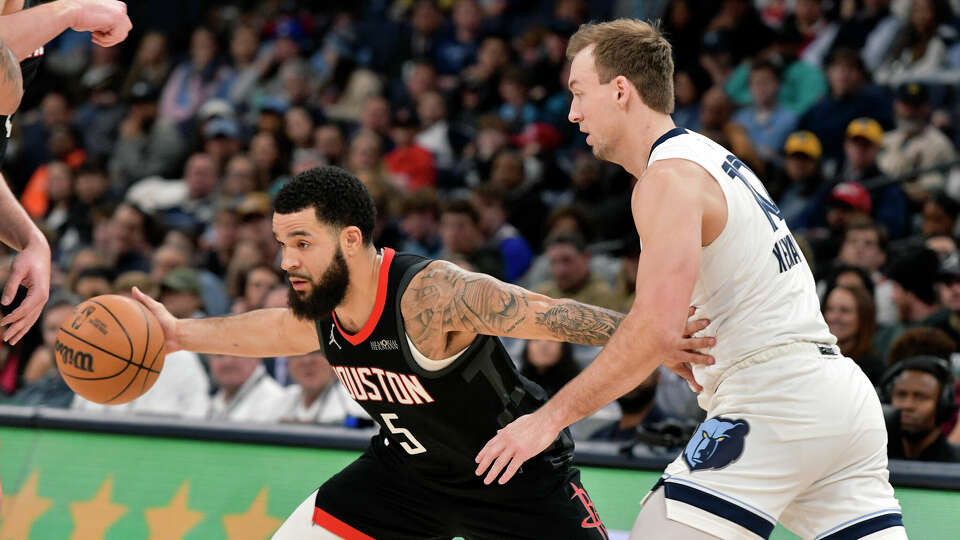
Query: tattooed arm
x,y
11,81
444,299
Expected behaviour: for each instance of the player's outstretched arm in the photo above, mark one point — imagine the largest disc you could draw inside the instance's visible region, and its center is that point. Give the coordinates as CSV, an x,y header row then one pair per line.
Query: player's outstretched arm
x,y
11,81
27,30
259,333
31,267
648,335
445,298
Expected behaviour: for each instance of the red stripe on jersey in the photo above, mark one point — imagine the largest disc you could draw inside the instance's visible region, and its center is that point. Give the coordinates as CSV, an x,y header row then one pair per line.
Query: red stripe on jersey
x,y
337,527
367,329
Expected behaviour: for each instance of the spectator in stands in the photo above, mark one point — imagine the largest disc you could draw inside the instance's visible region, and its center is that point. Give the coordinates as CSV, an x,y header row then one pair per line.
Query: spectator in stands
x,y
861,147
437,134
254,213
129,239
364,160
915,388
410,165
268,158
317,397
516,254
148,144
689,83
239,178
151,64
844,275
246,392
457,49
716,122
329,142
948,286
864,246
93,282
549,364
221,140
921,51
525,207
803,190
375,117
922,340
196,80
913,274
940,214
571,276
850,314
462,237
915,144
256,282
420,223
181,293
767,123
848,203
850,97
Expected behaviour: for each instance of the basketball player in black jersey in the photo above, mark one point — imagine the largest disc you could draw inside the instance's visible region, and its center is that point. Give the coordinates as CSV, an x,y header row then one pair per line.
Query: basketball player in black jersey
x,y
413,340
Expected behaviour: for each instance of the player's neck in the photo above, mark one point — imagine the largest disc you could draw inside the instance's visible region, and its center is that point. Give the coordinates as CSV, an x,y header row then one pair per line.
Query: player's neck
x,y
361,296
637,142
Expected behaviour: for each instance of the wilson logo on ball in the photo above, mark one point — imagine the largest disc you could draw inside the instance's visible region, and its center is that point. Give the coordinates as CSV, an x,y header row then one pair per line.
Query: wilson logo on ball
x,y
70,357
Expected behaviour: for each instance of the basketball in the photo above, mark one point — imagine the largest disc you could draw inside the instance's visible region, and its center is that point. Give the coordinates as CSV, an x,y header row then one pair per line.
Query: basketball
x,y
110,350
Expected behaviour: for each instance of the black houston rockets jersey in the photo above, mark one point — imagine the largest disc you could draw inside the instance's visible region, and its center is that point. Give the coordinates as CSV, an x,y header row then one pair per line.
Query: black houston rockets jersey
x,y
28,69
433,422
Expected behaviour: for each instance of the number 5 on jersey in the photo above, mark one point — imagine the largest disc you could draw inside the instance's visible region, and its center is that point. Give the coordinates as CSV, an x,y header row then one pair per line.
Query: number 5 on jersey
x,y
413,447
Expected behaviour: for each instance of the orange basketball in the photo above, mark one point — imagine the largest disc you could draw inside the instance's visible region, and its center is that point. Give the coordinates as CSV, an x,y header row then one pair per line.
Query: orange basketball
x,y
111,350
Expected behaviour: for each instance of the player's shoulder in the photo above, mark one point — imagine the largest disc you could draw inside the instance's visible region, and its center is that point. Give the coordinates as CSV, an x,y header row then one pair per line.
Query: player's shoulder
x,y
673,175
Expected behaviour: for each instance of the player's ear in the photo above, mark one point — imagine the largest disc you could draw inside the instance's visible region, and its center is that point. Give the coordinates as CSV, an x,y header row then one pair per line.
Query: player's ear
x,y
351,239
622,87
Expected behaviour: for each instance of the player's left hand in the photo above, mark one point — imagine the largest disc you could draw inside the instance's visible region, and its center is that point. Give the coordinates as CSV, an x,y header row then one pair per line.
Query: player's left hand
x,y
519,441
31,269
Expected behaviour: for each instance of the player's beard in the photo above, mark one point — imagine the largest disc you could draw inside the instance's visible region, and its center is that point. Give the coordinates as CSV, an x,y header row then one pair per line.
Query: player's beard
x,y
325,294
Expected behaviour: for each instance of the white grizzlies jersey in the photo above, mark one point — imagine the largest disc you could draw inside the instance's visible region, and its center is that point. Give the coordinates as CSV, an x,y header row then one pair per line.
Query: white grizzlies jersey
x,y
754,283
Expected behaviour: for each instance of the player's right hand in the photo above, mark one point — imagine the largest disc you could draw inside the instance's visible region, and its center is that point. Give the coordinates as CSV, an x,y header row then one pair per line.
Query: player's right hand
x,y
688,350
106,20
167,321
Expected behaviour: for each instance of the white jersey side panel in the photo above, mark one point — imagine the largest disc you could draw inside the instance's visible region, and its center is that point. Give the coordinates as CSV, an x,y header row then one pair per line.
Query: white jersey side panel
x,y
754,283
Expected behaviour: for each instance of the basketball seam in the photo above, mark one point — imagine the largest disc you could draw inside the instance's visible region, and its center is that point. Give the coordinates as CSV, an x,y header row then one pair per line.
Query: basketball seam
x,y
101,349
140,366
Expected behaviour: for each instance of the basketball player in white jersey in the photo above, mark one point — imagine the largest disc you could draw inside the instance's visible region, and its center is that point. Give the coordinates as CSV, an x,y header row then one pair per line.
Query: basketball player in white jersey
x,y
794,431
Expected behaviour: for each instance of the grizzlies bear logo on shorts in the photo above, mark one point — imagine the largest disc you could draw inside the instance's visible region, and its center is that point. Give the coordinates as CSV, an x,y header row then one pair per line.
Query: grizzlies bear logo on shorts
x,y
717,442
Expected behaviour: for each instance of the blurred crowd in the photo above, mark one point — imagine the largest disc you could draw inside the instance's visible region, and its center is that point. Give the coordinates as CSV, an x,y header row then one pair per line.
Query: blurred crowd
x,y
153,164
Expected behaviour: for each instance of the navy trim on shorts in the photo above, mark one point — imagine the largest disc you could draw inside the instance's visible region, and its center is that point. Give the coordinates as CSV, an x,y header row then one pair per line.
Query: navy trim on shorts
x,y
867,526
719,507
668,135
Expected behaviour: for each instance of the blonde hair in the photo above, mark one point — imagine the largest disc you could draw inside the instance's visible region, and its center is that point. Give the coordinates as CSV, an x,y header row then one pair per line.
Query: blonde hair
x,y
632,48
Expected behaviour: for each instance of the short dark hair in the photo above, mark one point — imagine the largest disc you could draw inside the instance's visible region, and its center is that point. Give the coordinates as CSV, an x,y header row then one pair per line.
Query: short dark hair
x,y
868,224
338,197
949,205
421,201
463,206
574,240
768,65
921,341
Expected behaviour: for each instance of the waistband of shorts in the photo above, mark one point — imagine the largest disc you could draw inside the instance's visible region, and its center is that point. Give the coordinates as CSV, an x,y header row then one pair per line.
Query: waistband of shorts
x,y
780,351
